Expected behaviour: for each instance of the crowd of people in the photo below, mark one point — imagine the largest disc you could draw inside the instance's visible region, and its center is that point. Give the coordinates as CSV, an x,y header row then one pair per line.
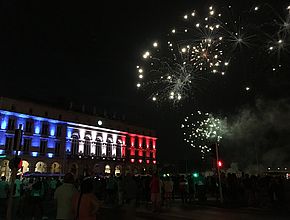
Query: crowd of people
x,y
83,198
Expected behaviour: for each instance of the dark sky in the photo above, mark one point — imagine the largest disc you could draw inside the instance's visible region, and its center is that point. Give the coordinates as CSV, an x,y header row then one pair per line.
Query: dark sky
x,y
86,52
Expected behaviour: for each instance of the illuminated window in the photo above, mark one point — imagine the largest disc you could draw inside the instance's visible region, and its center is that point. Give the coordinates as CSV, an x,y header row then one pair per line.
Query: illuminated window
x,y
11,124
109,150
57,148
44,129
98,148
140,153
107,169
104,147
28,126
43,146
58,131
8,144
87,146
119,150
26,145
75,145
147,152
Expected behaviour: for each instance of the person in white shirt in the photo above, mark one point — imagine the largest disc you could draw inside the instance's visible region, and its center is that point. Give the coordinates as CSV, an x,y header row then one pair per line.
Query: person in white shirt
x,y
63,196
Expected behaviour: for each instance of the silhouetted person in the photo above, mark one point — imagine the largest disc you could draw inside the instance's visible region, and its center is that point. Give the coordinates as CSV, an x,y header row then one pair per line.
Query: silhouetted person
x,y
63,196
85,204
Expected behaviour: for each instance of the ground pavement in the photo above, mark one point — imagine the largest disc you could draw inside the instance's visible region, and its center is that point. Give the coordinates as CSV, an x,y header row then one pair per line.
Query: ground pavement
x,y
179,211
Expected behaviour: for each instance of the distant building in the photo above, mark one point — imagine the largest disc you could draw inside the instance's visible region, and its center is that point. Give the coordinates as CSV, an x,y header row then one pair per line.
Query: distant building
x,y
59,141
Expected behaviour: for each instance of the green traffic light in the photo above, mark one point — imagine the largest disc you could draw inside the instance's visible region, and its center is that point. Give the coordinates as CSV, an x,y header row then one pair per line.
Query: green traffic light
x,y
195,175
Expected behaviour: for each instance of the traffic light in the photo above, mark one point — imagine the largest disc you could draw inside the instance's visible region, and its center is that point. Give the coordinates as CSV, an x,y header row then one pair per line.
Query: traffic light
x,y
219,164
195,174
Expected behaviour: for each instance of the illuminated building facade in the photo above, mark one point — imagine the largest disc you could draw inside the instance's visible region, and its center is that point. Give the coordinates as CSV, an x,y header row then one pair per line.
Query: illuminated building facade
x,y
58,141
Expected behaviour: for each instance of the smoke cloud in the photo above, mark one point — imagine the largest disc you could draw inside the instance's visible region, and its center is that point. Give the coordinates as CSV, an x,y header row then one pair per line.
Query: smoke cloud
x,y
259,136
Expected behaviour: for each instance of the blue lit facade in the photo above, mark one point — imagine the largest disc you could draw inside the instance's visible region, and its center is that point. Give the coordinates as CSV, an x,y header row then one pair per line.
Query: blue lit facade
x,y
35,134
57,146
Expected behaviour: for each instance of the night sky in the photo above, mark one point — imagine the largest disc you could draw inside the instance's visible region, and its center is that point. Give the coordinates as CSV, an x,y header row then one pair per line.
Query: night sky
x,y
86,53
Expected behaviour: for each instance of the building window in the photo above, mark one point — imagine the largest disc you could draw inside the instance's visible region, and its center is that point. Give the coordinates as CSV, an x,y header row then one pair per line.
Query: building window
x,y
44,129
74,145
28,126
118,170
87,147
11,124
140,152
119,149
43,145
153,154
58,131
98,148
8,144
109,150
148,152
57,148
104,147
26,145
107,169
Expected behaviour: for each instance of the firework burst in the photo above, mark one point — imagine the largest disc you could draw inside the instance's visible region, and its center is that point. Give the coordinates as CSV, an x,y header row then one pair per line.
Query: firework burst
x,y
200,47
201,130
278,31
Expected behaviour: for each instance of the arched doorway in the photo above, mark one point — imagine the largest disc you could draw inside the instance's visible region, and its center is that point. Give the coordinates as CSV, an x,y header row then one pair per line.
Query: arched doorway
x,y
25,166
107,169
118,170
55,168
97,170
41,167
4,169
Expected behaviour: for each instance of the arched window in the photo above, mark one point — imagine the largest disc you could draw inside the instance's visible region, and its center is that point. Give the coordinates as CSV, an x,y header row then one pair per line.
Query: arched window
x,y
99,147
109,147
87,146
119,149
74,145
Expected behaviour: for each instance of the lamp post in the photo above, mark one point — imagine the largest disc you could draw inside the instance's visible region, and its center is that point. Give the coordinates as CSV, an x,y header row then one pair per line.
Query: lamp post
x,y
14,166
219,173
